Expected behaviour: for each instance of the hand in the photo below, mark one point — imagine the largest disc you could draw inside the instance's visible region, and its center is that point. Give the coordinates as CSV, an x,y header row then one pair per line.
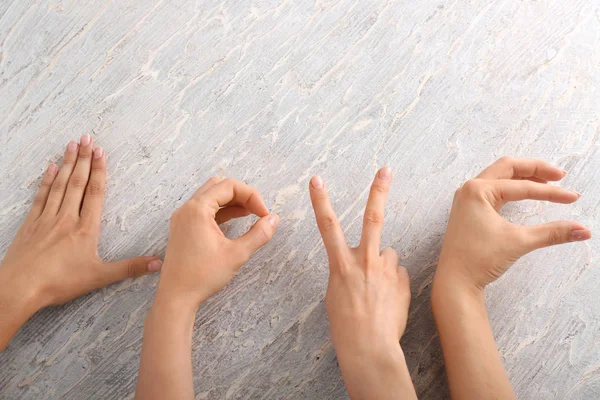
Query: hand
x,y
53,258
367,298
200,260
480,245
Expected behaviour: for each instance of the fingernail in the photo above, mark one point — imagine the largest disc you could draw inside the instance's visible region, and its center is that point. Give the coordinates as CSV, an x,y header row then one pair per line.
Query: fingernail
x,y
154,265
385,173
72,146
564,173
52,169
86,139
317,182
576,192
580,234
98,152
273,220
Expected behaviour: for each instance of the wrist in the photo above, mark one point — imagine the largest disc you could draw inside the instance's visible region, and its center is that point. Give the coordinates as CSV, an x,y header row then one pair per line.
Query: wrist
x,y
450,279
452,296
377,374
19,300
23,292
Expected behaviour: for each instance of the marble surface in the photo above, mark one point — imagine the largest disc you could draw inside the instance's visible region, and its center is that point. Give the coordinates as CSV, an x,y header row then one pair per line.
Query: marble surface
x,y
272,92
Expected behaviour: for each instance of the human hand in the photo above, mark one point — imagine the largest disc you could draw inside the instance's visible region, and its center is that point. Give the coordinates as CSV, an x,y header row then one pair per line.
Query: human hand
x,y
53,258
199,262
480,245
367,298
199,259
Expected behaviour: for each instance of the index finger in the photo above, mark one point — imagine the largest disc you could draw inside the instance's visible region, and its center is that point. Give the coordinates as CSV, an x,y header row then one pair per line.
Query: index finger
x,y
232,192
506,190
522,168
328,224
374,212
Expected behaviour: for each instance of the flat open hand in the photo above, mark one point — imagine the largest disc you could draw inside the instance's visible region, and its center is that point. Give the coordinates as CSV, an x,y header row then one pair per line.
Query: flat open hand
x,y
53,258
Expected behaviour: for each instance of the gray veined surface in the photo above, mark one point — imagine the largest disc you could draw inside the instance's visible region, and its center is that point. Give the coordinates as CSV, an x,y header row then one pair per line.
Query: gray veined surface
x,y
273,92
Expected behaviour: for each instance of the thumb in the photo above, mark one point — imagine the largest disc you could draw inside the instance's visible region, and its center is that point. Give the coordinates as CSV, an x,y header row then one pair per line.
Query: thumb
x,y
130,268
259,235
554,233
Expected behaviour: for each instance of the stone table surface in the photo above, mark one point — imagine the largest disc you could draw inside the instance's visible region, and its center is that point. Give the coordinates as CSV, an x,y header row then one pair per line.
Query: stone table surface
x,y
272,92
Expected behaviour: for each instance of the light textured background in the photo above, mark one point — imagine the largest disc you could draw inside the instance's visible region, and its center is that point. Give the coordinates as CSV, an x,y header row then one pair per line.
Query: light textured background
x,y
272,92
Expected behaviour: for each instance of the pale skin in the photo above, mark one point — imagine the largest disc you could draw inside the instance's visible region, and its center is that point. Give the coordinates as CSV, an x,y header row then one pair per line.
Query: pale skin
x,y
199,262
53,258
480,246
367,299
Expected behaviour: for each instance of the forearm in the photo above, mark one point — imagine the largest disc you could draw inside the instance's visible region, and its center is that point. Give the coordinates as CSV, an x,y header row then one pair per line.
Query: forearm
x,y
381,375
473,363
18,303
166,366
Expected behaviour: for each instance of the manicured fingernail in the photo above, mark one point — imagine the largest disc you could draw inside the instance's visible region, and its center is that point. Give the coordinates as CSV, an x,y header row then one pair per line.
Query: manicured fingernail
x,y
98,152
385,173
274,220
52,169
580,234
154,265
317,182
72,146
86,139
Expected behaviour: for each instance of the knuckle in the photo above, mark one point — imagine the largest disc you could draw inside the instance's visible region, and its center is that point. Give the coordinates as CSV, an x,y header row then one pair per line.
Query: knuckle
x,y
379,187
96,188
555,236
373,216
78,181
319,195
507,160
265,235
192,209
85,155
46,183
131,270
39,198
59,185
69,161
469,188
230,181
327,222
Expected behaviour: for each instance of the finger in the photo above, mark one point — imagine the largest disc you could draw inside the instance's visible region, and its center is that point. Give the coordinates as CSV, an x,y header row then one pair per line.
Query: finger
x,y
259,235
91,210
130,268
522,168
390,255
42,195
374,212
554,233
78,181
231,212
328,224
232,192
506,190
57,191
209,183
